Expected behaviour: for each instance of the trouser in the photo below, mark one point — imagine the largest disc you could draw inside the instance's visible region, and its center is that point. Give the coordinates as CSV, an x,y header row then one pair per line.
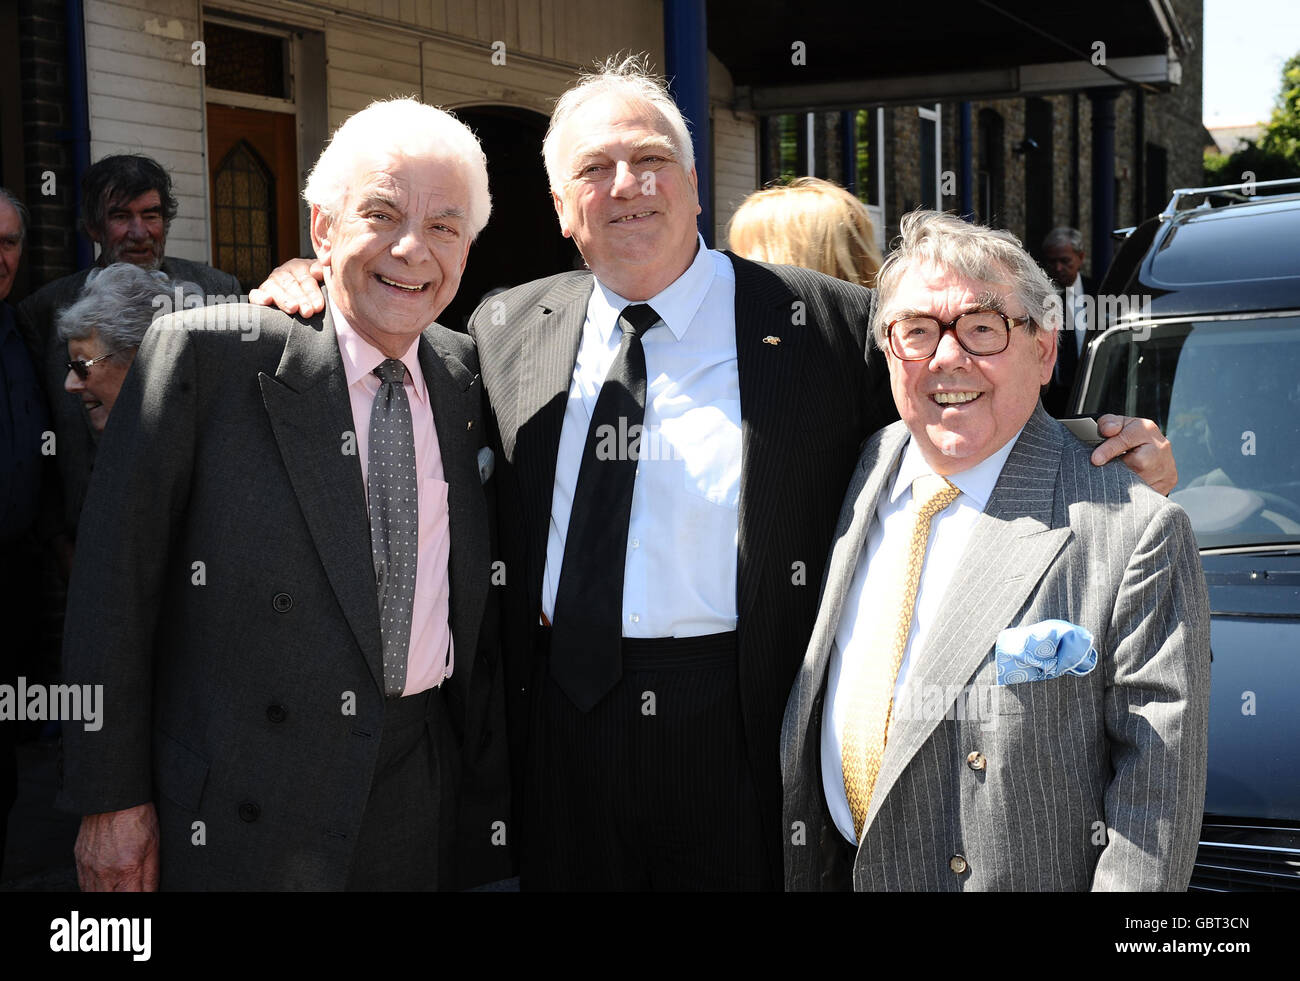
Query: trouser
x,y
407,831
651,789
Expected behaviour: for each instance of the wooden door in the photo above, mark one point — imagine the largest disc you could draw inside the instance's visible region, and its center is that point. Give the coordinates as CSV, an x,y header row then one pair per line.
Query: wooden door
x,y
253,185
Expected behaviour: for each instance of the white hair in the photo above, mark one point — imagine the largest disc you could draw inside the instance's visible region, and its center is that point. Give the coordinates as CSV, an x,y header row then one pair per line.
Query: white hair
x,y
1063,235
631,77
971,251
403,127
120,301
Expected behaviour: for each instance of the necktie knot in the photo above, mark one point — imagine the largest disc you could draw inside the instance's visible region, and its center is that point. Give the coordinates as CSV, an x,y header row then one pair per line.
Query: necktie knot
x,y
932,493
638,318
391,372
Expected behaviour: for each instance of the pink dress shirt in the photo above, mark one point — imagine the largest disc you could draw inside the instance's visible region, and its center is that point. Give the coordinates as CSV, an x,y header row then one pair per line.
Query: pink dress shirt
x,y
430,654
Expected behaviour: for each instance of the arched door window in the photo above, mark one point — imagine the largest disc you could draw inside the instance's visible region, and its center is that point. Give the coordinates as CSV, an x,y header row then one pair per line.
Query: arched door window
x,y
244,236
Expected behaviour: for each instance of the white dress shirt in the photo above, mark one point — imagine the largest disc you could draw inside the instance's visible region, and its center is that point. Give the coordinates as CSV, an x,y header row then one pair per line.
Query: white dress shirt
x,y
1076,300
680,573
891,530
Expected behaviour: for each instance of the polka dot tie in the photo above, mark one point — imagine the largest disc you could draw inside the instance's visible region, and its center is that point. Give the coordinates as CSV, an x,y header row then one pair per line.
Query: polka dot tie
x,y
394,518
872,700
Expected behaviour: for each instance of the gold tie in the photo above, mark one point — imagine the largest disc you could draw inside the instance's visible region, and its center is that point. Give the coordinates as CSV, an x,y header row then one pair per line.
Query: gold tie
x,y
872,699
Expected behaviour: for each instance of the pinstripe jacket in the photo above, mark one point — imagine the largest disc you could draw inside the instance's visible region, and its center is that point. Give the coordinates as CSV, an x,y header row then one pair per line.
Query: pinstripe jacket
x,y
1082,782
808,398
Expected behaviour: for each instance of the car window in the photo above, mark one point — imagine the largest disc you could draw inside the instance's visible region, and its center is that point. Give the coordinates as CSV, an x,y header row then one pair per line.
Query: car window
x,y
1227,395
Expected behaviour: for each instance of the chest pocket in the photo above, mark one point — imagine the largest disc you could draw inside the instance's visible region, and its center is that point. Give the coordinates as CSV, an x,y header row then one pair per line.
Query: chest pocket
x,y
707,444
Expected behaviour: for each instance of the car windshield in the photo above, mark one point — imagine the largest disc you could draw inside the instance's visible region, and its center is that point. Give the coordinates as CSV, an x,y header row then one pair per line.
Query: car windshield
x,y
1227,395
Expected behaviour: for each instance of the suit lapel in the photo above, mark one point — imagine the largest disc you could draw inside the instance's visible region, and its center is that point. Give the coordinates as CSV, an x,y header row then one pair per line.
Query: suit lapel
x,y
1011,547
770,333
872,478
801,745
454,393
552,333
311,415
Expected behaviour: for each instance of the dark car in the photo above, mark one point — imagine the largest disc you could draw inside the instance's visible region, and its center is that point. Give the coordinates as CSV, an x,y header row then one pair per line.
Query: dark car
x,y
1202,335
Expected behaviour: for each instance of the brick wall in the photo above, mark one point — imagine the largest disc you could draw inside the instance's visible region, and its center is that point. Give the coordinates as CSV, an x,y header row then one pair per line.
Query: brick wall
x,y
51,241
1170,120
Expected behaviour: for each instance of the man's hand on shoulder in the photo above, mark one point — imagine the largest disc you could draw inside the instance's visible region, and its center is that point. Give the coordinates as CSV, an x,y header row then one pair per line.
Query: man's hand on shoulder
x,y
1143,448
117,851
294,287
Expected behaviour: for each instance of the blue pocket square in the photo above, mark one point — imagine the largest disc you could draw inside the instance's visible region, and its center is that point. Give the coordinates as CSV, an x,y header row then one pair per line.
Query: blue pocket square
x,y
1042,651
487,462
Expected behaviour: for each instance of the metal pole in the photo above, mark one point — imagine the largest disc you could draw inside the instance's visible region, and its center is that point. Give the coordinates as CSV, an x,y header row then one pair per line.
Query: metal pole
x,y
687,68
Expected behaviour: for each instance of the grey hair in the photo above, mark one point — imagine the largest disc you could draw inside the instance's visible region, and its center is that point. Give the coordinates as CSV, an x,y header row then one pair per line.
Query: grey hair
x,y
23,216
1064,235
120,302
632,77
407,128
971,251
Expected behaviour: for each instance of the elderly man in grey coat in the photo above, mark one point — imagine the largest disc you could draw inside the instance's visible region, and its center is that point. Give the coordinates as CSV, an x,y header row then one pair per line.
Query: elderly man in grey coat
x,y
1007,685
283,568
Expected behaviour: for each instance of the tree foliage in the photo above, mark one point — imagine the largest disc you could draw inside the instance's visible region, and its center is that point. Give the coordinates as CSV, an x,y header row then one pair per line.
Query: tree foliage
x,y
1282,135
1277,152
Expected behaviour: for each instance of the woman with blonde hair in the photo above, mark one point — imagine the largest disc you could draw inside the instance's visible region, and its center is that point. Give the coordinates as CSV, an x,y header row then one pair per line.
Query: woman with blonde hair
x,y
811,223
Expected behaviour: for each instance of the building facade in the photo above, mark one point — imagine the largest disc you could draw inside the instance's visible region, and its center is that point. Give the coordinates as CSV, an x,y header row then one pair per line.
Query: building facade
x,y
236,98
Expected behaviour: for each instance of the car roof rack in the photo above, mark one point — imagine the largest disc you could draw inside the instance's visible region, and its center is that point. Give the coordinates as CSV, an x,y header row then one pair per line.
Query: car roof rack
x,y
1244,191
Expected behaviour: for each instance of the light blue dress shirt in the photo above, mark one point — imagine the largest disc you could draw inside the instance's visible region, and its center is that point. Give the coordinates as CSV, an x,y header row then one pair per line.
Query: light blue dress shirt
x,y
680,573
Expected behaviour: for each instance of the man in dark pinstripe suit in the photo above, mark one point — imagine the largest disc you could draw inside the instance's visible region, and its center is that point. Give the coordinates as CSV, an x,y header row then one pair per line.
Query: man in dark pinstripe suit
x,y
1043,674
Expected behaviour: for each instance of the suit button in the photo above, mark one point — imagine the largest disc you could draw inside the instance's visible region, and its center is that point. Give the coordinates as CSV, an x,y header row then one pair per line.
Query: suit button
x,y
276,713
282,602
958,864
976,760
248,811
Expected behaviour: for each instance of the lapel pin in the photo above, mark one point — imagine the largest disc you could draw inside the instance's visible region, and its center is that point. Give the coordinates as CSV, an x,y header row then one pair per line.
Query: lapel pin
x,y
470,424
770,339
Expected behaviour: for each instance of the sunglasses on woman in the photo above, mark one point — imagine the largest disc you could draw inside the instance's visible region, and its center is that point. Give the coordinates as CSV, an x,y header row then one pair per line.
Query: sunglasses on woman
x,y
82,367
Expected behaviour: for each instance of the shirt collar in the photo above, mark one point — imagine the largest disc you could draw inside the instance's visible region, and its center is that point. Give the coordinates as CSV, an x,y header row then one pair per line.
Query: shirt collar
x,y
977,483
676,305
1077,285
361,358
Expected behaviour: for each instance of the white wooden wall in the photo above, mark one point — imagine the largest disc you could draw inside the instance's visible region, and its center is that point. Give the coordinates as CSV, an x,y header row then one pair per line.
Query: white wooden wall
x,y
146,97
735,150
571,31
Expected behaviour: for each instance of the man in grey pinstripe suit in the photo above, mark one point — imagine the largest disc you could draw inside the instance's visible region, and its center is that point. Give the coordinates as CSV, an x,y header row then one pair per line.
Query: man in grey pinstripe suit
x,y
1050,681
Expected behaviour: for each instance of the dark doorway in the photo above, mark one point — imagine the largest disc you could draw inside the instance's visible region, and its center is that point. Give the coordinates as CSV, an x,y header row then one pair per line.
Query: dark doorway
x,y
1039,178
989,170
522,240
1157,189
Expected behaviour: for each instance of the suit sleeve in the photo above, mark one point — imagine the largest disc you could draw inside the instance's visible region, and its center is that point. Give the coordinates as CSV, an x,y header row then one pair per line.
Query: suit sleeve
x,y
485,847
1157,712
119,580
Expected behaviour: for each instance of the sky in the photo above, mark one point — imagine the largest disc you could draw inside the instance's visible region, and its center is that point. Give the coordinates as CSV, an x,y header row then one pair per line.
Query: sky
x,y
1245,44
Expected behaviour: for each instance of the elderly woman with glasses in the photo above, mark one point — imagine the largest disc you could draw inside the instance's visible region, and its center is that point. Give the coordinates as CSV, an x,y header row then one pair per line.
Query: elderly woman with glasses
x,y
105,326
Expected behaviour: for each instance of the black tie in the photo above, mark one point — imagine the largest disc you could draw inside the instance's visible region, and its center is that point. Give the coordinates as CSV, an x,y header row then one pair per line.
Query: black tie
x,y
1067,356
586,642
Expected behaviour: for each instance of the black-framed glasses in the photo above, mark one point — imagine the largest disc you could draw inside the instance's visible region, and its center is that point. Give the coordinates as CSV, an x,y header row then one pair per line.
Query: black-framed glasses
x,y
981,333
82,367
